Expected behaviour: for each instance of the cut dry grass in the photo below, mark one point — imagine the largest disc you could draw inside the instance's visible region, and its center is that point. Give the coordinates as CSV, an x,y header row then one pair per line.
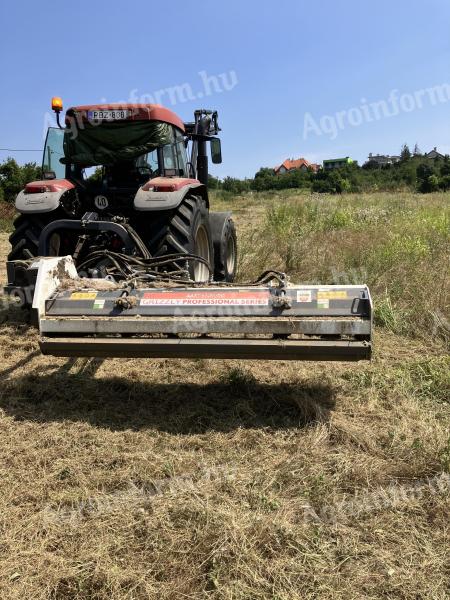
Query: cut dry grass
x,y
144,479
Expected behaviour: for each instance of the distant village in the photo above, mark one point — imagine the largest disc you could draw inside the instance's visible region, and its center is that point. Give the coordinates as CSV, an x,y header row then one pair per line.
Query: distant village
x,y
380,160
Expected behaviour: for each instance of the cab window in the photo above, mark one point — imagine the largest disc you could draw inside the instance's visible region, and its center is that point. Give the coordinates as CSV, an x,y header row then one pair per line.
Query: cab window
x,y
148,163
180,152
169,157
53,151
174,155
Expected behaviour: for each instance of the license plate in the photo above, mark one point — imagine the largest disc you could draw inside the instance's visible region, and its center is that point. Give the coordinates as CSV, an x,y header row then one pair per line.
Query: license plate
x,y
108,115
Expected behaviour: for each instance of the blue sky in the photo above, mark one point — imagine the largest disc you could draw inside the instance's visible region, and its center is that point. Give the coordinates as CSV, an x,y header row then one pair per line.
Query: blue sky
x,y
282,61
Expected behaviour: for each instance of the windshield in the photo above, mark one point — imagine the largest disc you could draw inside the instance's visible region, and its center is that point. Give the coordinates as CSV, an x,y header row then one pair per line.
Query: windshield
x,y
112,143
53,151
142,148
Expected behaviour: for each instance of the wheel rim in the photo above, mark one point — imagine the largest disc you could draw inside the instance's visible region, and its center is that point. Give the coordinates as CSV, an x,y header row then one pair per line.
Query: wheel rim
x,y
231,255
201,271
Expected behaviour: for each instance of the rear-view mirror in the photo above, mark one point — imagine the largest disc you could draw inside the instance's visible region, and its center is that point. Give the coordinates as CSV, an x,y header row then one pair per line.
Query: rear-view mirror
x,y
216,151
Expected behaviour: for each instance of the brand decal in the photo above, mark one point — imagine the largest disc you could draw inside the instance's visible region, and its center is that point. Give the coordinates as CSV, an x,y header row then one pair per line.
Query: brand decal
x,y
226,298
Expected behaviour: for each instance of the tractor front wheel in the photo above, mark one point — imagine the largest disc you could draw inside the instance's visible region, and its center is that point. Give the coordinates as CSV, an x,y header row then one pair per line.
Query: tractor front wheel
x,y
225,246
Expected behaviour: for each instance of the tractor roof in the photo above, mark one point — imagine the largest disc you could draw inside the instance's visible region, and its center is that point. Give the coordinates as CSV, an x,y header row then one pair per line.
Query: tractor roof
x,y
139,112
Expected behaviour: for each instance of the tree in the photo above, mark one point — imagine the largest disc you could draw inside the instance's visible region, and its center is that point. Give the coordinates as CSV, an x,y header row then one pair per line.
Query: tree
x,y
445,166
424,170
331,182
213,182
417,151
444,183
265,172
96,175
427,180
432,183
237,186
14,177
405,153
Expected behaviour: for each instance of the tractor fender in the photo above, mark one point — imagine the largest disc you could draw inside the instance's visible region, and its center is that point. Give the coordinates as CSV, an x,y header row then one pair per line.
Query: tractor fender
x,y
42,196
167,194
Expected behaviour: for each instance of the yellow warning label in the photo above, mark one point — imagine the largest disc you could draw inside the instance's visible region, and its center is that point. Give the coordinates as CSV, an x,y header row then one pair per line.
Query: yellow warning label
x,y
332,295
83,295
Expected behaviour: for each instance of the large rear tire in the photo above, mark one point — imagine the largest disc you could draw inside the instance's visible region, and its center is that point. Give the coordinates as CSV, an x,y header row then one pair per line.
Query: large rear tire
x,y
25,238
186,231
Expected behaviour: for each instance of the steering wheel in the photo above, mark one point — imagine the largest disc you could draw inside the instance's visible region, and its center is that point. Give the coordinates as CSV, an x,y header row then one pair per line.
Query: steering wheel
x,y
145,170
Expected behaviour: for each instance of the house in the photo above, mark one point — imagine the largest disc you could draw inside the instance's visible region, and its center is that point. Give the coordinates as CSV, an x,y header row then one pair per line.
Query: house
x,y
337,163
434,154
291,164
383,159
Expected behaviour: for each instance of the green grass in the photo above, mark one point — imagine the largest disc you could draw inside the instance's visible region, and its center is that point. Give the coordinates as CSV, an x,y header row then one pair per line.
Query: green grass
x,y
398,244
425,380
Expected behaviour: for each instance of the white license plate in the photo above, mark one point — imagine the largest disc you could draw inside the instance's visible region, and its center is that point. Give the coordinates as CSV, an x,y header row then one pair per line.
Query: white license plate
x,y
108,115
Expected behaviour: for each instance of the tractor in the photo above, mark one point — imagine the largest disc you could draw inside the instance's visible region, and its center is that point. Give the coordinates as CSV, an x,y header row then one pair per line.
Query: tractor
x,y
145,185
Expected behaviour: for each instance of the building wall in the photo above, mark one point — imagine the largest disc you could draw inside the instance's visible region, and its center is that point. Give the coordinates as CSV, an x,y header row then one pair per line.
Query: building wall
x,y
337,164
383,159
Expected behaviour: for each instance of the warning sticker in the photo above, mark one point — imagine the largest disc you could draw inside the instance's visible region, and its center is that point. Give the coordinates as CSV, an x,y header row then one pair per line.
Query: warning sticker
x,y
213,298
304,296
83,295
99,303
332,295
323,303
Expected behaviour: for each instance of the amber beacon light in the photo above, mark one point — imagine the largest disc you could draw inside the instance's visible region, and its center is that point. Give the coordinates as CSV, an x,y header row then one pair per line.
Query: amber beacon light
x,y
57,104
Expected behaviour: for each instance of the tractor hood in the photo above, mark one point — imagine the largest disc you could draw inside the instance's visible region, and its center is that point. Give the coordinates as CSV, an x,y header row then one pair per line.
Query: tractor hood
x,y
111,142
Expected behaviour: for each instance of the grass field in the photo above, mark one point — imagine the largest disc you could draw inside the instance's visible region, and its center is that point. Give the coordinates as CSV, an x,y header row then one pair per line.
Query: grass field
x,y
143,479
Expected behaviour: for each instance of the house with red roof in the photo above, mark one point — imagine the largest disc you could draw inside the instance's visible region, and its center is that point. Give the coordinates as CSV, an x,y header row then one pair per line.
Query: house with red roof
x,y
291,164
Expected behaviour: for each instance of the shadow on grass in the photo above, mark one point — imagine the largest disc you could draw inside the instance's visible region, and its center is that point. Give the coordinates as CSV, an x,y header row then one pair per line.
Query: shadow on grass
x,y
116,403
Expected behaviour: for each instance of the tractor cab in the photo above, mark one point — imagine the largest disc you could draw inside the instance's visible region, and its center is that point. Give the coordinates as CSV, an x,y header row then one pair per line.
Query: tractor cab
x,y
109,153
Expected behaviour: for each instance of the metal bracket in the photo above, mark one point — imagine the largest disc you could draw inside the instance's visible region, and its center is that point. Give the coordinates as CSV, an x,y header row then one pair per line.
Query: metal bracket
x,y
82,225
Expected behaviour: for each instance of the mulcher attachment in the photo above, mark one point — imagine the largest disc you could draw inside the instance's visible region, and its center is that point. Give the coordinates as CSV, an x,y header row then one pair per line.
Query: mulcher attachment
x,y
282,322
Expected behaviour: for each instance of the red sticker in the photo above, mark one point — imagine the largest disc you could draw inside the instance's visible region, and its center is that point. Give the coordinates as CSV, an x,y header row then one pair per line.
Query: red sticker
x,y
203,298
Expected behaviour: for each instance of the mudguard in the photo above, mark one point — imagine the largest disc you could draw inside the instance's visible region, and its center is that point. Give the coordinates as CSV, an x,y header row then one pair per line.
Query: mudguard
x,y
42,196
164,193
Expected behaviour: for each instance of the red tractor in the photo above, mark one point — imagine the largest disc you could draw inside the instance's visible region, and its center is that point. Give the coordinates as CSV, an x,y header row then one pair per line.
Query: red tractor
x,y
148,194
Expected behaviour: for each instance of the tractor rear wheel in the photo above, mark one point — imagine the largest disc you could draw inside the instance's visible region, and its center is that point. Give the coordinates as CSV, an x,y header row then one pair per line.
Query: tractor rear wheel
x,y
24,239
186,231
